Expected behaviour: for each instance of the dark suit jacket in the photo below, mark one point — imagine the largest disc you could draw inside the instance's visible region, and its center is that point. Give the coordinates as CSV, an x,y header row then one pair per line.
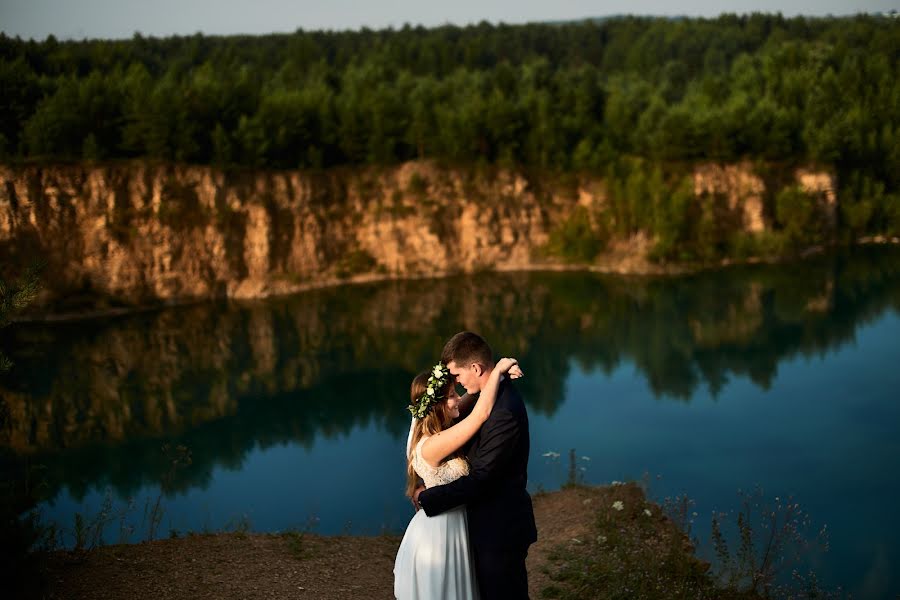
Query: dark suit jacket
x,y
499,507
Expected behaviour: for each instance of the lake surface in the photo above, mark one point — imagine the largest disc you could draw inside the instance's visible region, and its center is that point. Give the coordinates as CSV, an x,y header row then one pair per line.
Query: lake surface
x,y
292,410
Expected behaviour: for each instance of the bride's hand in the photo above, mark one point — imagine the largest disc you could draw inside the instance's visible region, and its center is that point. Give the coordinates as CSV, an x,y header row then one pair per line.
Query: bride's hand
x,y
510,366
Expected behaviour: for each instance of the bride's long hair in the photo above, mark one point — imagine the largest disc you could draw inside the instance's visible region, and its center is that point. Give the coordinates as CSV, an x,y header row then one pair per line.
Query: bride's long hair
x,y
434,422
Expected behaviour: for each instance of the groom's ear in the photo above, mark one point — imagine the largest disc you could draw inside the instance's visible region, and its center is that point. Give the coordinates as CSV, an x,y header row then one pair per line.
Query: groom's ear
x,y
478,368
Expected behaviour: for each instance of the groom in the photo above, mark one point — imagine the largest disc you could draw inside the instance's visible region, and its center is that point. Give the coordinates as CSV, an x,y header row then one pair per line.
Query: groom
x,y
501,519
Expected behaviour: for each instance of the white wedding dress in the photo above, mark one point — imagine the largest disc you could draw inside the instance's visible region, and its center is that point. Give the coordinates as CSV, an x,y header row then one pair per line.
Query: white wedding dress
x,y
434,561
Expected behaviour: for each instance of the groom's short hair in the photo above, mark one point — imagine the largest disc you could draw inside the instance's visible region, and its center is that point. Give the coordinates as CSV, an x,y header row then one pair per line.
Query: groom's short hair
x,y
466,348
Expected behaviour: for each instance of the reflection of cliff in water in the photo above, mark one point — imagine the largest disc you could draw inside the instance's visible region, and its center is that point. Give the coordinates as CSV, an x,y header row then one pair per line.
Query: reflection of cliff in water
x,y
700,330
95,400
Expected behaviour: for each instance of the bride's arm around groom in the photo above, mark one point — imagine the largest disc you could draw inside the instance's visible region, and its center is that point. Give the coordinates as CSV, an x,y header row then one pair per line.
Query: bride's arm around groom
x,y
499,438
494,491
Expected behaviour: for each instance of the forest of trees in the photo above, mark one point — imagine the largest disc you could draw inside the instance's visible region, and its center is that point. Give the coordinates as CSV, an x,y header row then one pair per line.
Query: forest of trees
x,y
563,97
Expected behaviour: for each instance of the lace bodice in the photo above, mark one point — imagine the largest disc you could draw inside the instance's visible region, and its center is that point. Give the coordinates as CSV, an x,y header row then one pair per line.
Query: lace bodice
x,y
446,472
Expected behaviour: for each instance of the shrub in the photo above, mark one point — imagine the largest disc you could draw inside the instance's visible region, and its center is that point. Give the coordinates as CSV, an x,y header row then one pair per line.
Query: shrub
x,y
418,185
763,244
354,262
671,221
800,217
574,239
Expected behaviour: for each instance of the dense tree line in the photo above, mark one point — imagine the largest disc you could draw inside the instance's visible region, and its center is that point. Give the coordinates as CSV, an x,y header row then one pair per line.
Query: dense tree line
x,y
574,96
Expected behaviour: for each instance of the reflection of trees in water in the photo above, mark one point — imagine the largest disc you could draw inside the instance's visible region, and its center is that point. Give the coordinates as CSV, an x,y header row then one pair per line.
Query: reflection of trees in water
x,y
259,423
95,401
703,329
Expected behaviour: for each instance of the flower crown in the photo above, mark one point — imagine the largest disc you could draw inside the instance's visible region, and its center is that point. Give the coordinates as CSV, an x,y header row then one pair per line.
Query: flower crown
x,y
440,376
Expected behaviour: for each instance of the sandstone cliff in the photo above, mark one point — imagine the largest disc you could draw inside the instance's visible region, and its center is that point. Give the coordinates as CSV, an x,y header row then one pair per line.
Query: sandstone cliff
x,y
135,234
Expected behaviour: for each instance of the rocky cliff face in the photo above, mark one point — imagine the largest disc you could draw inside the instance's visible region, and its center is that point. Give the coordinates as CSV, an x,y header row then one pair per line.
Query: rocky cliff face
x,y
133,234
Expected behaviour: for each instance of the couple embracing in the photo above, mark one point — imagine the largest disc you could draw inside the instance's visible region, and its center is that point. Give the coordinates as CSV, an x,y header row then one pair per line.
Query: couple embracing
x,y
471,536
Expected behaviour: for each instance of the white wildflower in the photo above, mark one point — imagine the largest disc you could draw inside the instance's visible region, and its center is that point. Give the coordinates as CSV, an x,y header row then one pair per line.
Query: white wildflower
x,y
585,458
551,454
618,505
647,512
438,372
601,539
430,391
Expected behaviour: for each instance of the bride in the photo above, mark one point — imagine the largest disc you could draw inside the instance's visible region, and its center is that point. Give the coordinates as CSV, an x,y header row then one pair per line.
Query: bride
x,y
434,560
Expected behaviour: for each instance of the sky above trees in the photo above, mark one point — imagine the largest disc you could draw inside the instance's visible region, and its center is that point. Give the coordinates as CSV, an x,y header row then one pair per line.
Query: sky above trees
x,y
77,19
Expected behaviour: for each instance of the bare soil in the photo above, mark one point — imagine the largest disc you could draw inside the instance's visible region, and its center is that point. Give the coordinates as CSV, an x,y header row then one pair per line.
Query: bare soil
x,y
258,566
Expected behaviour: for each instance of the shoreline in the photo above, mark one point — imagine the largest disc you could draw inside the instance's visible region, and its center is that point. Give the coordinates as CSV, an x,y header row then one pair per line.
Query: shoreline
x,y
281,291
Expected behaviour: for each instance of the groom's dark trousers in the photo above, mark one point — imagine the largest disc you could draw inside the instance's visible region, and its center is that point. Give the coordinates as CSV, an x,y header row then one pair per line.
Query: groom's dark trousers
x,y
501,518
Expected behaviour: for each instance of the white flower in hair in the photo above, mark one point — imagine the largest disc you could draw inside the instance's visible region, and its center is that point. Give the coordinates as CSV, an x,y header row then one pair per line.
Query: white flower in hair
x,y
436,382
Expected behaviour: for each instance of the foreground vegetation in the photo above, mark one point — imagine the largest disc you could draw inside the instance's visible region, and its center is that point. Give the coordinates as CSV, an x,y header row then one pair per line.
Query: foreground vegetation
x,y
594,542
636,548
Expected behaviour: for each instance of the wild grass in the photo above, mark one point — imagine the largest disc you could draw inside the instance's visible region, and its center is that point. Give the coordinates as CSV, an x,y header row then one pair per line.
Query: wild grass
x,y
632,551
296,539
638,549
761,547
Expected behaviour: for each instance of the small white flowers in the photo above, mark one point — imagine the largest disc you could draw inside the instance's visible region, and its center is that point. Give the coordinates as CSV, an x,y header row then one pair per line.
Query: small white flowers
x,y
551,454
618,505
601,539
616,483
647,512
437,379
586,458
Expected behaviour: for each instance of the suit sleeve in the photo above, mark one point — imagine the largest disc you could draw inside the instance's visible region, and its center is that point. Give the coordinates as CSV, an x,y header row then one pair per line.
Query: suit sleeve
x,y
498,442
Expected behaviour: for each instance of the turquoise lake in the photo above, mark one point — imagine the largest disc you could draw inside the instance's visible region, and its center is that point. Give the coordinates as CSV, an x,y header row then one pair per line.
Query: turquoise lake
x,y
781,379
